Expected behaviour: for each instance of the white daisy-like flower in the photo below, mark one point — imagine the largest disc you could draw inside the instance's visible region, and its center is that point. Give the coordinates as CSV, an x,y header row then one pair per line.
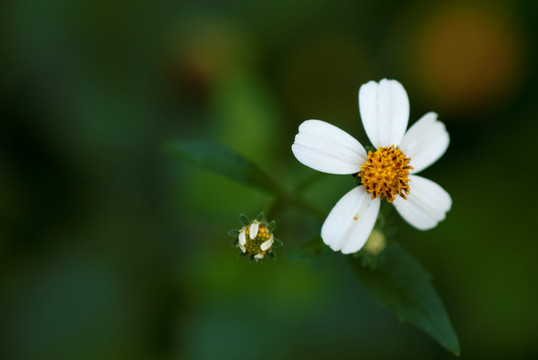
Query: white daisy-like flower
x,y
389,172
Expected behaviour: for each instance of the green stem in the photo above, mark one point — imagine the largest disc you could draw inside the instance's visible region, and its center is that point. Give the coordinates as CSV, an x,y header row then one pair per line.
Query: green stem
x,y
274,208
301,204
281,203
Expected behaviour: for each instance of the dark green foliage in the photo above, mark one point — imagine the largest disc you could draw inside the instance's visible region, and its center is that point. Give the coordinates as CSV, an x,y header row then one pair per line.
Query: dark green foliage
x,y
404,287
224,161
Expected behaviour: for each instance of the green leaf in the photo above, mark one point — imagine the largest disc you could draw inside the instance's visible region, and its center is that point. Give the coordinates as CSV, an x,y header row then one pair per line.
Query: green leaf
x,y
224,161
404,287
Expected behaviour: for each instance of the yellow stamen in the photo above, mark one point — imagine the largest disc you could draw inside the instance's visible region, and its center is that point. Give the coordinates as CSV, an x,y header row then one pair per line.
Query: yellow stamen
x,y
385,173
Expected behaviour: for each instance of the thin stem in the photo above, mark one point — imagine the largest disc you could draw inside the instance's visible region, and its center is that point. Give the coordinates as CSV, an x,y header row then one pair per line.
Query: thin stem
x,y
301,204
281,203
274,208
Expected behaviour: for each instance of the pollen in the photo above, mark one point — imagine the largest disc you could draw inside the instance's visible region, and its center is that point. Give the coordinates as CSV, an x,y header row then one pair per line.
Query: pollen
x,y
385,173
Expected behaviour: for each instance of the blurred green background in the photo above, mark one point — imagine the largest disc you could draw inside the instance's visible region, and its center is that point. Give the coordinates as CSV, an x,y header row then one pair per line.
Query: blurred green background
x,y
111,248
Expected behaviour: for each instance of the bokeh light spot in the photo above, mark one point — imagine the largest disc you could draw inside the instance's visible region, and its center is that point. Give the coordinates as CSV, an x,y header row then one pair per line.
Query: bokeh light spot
x,y
469,59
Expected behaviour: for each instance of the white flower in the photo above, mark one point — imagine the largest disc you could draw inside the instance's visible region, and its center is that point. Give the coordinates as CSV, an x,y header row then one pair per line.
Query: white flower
x,y
387,173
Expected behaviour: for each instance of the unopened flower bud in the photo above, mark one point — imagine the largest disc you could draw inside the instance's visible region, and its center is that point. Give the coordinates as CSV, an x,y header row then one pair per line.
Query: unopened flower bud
x,y
376,243
255,238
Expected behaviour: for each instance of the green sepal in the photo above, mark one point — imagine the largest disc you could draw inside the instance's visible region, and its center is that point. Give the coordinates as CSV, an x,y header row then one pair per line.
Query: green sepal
x,y
272,255
277,243
235,242
233,233
241,254
243,219
260,217
272,226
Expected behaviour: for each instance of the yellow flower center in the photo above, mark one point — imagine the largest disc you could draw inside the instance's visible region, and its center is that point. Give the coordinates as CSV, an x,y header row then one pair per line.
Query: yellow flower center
x,y
385,173
253,246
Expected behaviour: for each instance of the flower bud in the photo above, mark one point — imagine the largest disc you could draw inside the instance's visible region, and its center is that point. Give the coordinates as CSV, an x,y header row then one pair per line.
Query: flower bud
x,y
376,243
255,238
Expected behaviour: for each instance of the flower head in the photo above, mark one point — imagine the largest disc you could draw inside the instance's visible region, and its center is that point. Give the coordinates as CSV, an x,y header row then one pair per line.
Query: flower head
x,y
387,173
255,238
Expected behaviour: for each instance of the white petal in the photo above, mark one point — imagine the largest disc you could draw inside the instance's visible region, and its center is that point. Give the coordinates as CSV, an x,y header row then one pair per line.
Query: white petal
x,y
350,221
243,248
384,109
242,238
253,232
258,257
425,142
327,148
426,204
266,245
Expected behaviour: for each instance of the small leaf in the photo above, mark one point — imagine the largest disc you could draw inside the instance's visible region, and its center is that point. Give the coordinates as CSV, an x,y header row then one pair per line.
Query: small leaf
x,y
243,219
233,233
224,161
404,287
